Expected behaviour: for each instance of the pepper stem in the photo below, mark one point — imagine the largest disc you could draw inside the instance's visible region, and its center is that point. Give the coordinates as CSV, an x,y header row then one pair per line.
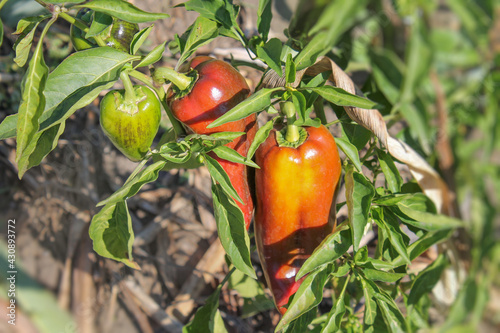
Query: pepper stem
x,y
181,81
292,130
130,96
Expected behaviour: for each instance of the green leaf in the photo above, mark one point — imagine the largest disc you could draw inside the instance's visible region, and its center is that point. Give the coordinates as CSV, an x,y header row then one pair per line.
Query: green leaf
x,y
40,146
8,127
312,51
123,10
270,53
350,151
232,232
418,61
299,101
336,313
63,1
378,275
140,38
112,234
427,221
339,96
32,103
392,315
356,134
207,318
301,324
388,222
370,305
264,18
26,28
359,194
332,248
134,185
422,244
255,103
221,177
100,22
152,57
308,296
391,173
78,80
232,155
215,10
427,279
202,32
260,137
290,69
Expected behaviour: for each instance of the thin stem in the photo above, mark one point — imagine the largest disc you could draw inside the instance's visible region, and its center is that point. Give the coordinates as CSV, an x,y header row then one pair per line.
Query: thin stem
x,y
369,151
147,81
332,123
130,95
181,81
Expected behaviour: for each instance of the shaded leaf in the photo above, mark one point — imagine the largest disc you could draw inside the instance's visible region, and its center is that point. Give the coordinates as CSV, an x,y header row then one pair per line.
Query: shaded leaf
x,y
112,234
350,151
308,296
134,185
271,54
221,177
264,17
139,39
336,313
152,57
427,279
232,232
391,173
359,194
123,10
201,32
332,248
260,137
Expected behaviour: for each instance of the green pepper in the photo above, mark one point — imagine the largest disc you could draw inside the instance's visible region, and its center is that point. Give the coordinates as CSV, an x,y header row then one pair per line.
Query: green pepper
x,y
131,120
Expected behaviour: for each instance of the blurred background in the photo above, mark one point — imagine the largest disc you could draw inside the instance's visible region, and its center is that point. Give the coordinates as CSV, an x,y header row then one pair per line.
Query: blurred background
x,y
453,122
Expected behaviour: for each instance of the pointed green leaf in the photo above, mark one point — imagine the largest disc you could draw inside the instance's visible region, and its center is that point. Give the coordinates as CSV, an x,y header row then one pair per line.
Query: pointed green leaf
x,y
32,101
123,10
202,32
264,17
391,173
350,151
336,313
270,53
134,185
359,194
221,177
112,234
260,137
255,103
308,296
140,38
341,97
100,22
232,232
427,279
152,57
332,248
232,155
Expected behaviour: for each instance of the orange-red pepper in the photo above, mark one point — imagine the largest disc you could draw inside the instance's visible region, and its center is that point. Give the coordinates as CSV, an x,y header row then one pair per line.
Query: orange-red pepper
x,y
295,205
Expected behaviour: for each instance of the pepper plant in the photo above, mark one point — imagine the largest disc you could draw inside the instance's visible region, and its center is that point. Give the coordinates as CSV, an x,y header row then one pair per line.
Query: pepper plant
x,y
303,94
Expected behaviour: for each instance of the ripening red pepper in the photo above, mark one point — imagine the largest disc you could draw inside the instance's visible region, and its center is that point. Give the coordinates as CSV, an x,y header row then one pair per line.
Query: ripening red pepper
x,y
295,191
218,88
